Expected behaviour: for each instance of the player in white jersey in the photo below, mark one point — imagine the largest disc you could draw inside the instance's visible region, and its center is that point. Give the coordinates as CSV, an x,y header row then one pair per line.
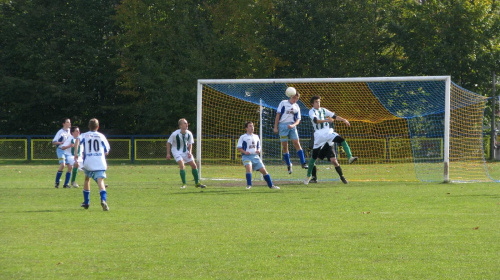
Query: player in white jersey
x,y
58,140
69,150
249,147
181,143
96,148
285,124
324,137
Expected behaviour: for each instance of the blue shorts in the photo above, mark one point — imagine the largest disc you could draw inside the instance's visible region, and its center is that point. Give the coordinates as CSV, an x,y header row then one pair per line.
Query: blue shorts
x,y
254,160
95,174
287,133
61,156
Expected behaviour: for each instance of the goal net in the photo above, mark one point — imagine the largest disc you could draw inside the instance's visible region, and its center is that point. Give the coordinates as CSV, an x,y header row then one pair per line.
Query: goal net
x,y
402,128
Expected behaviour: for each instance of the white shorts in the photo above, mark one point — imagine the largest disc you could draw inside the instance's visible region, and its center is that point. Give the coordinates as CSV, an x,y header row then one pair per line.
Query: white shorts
x,y
71,160
182,156
324,136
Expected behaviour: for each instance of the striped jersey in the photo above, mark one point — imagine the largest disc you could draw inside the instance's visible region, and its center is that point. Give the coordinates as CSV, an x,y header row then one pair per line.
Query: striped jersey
x,y
289,112
71,151
180,142
249,143
61,136
95,148
320,114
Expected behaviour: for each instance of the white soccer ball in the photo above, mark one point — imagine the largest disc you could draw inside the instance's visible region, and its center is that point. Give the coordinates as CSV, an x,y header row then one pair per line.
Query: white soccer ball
x,y
290,91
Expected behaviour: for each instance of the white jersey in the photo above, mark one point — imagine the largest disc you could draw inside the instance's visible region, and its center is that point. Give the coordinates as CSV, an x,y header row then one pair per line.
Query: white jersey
x,y
180,142
71,151
320,114
61,136
95,148
249,143
289,112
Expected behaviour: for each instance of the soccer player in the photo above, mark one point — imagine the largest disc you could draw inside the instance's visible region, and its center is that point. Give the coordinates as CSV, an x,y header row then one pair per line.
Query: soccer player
x,y
94,162
249,147
69,150
285,123
58,140
181,143
324,137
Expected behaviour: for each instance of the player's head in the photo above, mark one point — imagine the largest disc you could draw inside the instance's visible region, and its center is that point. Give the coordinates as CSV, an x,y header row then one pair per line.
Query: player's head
x,y
183,123
75,131
295,98
66,123
94,124
315,101
249,127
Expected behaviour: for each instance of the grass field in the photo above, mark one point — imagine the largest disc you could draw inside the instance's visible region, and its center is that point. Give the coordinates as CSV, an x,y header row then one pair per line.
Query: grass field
x,y
154,230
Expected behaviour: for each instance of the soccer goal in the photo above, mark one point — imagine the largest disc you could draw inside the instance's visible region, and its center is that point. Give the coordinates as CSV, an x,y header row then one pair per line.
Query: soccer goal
x,y
402,128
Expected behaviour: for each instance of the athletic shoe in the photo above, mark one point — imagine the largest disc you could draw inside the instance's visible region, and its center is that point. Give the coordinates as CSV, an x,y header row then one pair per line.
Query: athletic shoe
x,y
104,205
66,187
199,185
249,187
106,186
343,179
183,187
353,159
289,167
85,206
75,185
307,179
313,180
56,185
275,187
304,165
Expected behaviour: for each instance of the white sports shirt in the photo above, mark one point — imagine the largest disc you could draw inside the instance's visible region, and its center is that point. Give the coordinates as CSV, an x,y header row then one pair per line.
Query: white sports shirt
x,y
249,143
289,112
180,141
61,136
95,148
71,151
320,114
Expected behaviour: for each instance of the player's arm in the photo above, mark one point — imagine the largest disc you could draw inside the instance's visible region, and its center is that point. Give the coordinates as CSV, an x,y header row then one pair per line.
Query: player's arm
x,y
76,145
168,150
315,120
339,118
276,122
240,149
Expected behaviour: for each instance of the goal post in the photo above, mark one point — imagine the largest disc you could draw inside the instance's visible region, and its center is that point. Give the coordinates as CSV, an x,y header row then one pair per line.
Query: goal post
x,y
402,128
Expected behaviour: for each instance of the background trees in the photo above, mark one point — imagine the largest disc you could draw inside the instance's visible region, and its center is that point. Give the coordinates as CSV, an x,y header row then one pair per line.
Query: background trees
x,y
134,64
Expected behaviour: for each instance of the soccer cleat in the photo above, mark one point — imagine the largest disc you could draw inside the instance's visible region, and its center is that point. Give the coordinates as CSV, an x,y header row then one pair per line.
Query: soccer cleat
x,y
106,186
313,180
249,187
289,167
183,187
304,165
66,187
75,185
199,185
275,187
56,185
307,179
343,179
85,206
104,205
353,159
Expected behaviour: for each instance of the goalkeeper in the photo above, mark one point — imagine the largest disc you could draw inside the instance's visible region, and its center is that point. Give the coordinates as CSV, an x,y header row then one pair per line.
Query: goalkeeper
x,y
324,137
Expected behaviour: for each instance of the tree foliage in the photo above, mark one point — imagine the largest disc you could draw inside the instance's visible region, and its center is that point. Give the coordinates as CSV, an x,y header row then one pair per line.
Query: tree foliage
x,y
134,64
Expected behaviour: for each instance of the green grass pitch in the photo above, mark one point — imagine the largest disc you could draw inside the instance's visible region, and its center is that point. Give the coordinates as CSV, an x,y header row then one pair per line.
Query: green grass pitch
x,y
154,230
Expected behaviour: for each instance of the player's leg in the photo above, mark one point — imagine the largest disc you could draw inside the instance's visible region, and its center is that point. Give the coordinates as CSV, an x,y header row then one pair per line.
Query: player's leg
x,y
312,162
182,172
86,190
102,191
267,178
248,173
347,149
68,175
284,132
335,163
74,171
196,176
296,143
60,169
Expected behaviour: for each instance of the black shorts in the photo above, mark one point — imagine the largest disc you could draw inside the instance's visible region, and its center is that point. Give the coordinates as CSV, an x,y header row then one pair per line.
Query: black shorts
x,y
324,152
